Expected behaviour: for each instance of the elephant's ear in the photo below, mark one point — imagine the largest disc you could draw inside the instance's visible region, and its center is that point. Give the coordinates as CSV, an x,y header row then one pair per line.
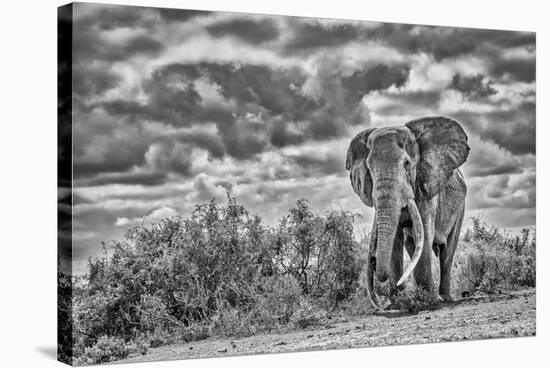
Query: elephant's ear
x,y
443,147
359,174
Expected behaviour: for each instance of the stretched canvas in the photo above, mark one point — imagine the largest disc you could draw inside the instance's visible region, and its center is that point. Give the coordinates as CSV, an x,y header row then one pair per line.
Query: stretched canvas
x,y
236,184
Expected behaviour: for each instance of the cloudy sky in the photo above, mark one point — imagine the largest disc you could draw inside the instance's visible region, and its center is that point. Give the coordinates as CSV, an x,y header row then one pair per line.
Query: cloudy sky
x,y
172,108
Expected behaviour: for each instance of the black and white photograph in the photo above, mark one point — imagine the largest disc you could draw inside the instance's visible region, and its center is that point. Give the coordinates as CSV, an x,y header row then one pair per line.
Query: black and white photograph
x,y
235,184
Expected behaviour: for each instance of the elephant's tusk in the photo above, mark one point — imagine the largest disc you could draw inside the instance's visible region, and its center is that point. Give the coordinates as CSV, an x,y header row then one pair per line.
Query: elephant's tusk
x,y
418,230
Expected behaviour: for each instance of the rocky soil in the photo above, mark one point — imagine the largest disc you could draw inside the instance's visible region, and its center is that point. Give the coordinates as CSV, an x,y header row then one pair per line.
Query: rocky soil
x,y
503,315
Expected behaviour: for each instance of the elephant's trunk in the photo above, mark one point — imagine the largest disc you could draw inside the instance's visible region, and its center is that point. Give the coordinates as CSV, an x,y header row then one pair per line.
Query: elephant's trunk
x,y
387,217
381,245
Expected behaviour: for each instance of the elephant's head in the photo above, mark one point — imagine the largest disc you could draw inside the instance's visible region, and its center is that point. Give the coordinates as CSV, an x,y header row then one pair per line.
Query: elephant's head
x,y
394,168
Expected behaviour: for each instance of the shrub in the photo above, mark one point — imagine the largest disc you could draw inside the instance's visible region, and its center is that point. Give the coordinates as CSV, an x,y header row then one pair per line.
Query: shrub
x,y
65,325
360,303
481,268
342,266
307,313
109,348
278,301
222,271
524,270
488,260
219,271
319,251
414,299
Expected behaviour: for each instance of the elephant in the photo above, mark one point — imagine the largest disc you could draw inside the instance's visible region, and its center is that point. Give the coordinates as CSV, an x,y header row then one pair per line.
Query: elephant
x,y
410,175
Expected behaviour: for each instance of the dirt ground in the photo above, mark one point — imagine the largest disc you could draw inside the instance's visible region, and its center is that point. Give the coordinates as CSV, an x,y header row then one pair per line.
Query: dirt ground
x,y
503,315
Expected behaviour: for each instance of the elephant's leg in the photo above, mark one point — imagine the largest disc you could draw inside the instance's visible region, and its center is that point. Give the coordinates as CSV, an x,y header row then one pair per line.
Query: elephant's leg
x,y
423,270
446,257
396,262
423,277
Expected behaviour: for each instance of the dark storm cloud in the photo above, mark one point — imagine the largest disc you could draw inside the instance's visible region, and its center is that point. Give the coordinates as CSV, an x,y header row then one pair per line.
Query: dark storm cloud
x,y
498,187
495,169
110,17
511,129
402,102
105,144
317,165
171,100
249,30
96,224
119,107
117,159
518,69
156,158
138,45
210,142
131,178
339,95
163,157
270,104
174,98
503,192
243,138
108,148
78,199
180,124
90,43
489,159
274,95
446,42
88,46
312,35
180,15
472,86
284,133
93,80
272,89
277,95
441,42
112,149
379,77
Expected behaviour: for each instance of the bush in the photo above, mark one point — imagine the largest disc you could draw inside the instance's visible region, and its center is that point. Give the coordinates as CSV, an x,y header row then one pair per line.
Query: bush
x,y
482,268
220,271
109,348
360,303
414,299
307,313
320,252
488,260
523,271
65,325
278,302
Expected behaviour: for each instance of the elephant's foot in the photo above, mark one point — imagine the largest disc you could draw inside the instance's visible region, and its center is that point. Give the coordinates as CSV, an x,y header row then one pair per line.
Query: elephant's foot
x,y
445,298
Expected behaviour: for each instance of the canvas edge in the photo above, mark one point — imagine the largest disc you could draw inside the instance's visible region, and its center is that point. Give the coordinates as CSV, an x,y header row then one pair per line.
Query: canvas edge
x,y
65,331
